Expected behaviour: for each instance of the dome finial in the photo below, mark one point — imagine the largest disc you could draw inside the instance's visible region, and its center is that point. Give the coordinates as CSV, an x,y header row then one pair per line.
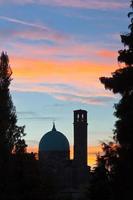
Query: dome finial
x,y
53,129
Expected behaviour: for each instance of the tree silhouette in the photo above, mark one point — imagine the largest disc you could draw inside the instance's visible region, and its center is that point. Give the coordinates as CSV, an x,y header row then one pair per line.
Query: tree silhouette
x,y
10,134
99,183
20,174
121,82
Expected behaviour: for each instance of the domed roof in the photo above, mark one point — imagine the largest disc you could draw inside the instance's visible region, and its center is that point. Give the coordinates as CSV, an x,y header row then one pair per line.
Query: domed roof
x,y
54,141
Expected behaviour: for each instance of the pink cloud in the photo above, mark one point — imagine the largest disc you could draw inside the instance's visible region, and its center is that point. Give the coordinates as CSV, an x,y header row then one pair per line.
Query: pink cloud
x,y
107,53
66,49
88,4
41,35
93,100
67,92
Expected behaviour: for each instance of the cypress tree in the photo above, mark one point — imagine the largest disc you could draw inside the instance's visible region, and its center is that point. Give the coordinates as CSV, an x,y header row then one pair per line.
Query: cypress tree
x,y
10,134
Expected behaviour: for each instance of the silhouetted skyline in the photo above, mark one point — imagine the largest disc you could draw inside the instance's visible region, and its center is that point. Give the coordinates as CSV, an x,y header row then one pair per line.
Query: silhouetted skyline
x,y
57,56
58,70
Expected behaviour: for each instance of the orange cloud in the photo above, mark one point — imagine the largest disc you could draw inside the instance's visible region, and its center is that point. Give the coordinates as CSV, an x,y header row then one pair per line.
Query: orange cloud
x,y
34,69
65,80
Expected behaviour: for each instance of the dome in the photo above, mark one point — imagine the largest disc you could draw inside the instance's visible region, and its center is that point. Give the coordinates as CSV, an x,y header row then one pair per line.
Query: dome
x,y
53,141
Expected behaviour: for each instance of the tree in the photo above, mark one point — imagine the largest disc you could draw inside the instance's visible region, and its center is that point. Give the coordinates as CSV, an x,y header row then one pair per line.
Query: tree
x,y
101,183
10,134
121,82
19,143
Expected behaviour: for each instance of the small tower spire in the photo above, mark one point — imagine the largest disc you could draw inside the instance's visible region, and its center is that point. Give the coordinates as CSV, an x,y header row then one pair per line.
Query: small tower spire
x,y
53,129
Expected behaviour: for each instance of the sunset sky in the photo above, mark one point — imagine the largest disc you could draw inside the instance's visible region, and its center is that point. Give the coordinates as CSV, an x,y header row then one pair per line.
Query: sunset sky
x,y
58,49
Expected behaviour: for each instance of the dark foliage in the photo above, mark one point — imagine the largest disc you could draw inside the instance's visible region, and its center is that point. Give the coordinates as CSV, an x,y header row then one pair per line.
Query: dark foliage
x,y
99,184
10,133
121,82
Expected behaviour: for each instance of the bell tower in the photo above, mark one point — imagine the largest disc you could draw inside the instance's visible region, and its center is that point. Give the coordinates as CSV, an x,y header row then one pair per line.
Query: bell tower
x,y
80,137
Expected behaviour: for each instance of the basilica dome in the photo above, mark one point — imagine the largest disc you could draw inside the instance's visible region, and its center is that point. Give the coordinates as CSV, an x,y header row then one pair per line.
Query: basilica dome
x,y
54,141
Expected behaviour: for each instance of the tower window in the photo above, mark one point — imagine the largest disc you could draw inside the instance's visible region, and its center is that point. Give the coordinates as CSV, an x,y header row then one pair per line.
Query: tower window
x,y
82,117
77,117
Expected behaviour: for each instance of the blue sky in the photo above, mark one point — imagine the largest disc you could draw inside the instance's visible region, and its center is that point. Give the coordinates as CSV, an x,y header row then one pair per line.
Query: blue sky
x,y
58,50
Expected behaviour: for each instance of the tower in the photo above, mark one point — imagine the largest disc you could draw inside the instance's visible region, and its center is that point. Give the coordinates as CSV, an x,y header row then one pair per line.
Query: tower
x,y
80,137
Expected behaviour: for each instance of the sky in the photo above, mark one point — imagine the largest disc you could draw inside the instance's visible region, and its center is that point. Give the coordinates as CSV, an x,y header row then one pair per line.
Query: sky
x,y
58,49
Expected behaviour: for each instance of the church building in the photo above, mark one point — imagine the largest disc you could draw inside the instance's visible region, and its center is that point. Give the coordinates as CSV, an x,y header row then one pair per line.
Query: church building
x,y
54,155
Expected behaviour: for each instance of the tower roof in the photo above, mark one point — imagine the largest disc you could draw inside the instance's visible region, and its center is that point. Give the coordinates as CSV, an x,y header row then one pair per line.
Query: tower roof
x,y
80,111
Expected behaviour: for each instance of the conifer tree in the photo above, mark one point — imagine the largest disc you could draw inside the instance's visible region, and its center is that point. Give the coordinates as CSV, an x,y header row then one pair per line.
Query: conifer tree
x,y
10,133
121,82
